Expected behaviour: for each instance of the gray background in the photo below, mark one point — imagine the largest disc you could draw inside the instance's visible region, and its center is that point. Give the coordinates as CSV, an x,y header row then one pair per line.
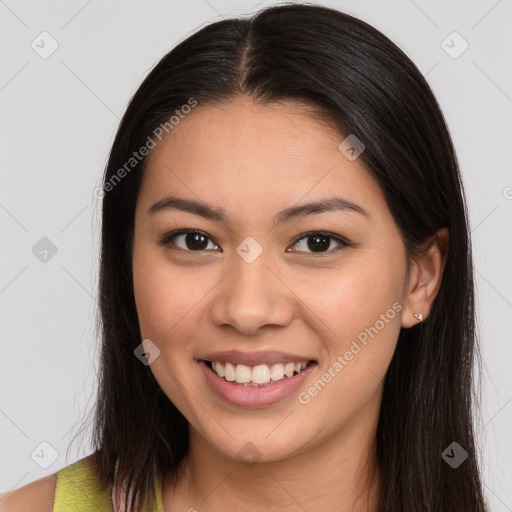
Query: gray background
x,y
58,119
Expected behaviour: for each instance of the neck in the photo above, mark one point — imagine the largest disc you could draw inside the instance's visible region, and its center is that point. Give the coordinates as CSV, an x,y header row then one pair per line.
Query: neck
x,y
336,472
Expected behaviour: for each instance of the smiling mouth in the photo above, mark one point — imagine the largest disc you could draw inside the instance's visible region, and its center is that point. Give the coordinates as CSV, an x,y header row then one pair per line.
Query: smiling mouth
x,y
259,375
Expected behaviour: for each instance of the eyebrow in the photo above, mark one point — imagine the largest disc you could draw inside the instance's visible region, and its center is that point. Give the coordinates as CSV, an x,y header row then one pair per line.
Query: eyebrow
x,y
218,214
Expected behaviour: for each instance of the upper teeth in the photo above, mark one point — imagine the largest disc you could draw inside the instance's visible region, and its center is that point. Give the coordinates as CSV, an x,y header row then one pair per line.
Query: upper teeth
x,y
260,374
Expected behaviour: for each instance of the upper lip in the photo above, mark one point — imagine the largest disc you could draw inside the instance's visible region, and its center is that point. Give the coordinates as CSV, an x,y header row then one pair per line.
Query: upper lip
x,y
268,357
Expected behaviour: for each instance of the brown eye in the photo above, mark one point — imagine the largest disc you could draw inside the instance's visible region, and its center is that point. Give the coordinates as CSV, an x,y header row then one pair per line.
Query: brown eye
x,y
196,241
319,242
187,240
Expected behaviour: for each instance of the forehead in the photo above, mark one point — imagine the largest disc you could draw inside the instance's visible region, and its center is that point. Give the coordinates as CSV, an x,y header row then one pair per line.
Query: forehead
x,y
248,158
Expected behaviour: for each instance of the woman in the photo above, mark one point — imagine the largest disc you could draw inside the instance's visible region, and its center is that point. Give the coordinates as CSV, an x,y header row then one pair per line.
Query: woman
x,y
286,285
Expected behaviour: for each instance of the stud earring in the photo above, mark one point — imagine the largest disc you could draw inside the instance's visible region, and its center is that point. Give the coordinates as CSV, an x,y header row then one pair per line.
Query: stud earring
x,y
418,316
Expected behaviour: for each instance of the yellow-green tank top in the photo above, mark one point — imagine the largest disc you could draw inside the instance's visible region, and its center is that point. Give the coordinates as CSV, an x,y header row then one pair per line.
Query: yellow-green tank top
x,y
78,490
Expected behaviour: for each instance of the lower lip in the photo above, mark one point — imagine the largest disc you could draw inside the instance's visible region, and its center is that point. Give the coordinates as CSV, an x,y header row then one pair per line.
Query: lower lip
x,y
254,396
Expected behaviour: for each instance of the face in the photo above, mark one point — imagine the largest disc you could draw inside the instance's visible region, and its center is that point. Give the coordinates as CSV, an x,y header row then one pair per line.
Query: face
x,y
251,286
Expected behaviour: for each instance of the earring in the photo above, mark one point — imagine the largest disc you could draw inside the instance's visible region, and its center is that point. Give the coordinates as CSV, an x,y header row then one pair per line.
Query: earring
x,y
418,316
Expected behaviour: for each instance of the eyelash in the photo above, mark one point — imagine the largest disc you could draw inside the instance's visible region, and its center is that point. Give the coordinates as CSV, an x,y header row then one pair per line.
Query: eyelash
x,y
166,240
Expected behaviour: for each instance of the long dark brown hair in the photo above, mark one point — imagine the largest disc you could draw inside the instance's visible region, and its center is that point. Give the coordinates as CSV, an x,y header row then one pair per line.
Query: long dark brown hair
x,y
361,82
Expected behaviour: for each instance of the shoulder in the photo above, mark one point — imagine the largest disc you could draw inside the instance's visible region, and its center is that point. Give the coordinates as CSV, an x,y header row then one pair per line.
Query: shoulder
x,y
38,495
72,488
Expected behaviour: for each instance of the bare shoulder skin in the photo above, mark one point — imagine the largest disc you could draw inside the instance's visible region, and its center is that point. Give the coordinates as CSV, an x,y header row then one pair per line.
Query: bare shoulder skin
x,y
35,496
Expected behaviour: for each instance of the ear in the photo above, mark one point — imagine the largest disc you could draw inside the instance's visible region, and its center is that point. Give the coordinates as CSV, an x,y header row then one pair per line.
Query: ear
x,y
425,275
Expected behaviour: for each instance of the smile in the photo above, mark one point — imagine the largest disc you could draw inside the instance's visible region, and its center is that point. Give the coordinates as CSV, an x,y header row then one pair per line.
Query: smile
x,y
259,375
255,386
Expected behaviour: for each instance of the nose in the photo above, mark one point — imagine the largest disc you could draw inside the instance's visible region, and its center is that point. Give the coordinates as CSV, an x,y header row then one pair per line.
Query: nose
x,y
251,297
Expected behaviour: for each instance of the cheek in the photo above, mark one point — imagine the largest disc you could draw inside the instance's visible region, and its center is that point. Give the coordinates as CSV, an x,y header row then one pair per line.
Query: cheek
x,y
167,298
362,312
350,299
357,309
168,303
